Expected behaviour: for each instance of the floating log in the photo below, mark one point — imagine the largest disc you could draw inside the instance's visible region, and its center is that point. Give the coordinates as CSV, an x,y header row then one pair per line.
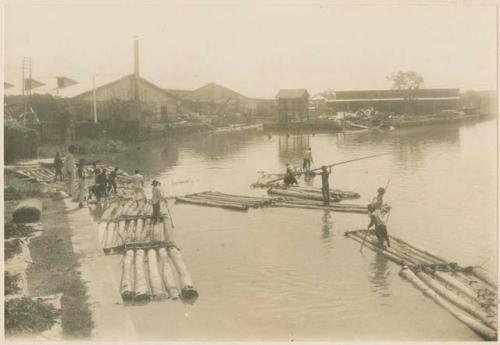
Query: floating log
x,y
371,239
393,258
140,231
322,203
188,291
324,207
299,195
333,192
456,283
131,230
110,232
141,285
127,286
480,274
477,326
154,276
168,231
455,299
214,204
428,253
106,215
28,211
101,233
168,274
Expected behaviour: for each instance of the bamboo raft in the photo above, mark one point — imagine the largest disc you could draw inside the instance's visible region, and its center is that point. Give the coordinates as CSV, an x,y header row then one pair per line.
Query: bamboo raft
x,y
243,203
467,293
152,265
44,174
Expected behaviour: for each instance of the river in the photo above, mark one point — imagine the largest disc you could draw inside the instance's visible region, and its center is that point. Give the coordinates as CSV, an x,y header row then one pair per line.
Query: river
x,y
290,274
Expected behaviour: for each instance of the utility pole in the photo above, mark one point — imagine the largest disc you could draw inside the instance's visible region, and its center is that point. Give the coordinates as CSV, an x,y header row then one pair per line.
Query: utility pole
x,y
94,99
26,82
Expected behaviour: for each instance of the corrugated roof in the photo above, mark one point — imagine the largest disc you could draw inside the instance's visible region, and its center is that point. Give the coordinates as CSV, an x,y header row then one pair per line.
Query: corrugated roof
x,y
389,99
291,93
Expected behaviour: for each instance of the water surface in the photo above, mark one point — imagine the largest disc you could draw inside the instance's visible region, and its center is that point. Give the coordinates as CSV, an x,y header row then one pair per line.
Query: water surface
x,y
290,274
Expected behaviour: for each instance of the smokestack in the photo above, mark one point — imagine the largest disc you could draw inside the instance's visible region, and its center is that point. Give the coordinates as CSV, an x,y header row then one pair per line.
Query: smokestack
x,y
136,57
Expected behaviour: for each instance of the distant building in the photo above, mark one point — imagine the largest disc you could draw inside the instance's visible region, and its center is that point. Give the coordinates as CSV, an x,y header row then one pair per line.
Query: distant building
x,y
148,103
293,105
153,103
214,99
422,101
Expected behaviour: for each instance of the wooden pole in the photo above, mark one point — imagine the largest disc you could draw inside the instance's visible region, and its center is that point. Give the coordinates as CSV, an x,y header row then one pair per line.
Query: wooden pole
x,y
94,99
335,164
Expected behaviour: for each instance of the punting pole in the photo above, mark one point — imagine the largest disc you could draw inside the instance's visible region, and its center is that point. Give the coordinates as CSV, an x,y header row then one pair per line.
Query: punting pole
x,y
141,285
154,276
188,291
127,286
168,274
477,326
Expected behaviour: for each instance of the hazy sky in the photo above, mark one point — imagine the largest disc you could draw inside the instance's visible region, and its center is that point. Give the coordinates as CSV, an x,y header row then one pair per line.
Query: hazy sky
x,y
257,49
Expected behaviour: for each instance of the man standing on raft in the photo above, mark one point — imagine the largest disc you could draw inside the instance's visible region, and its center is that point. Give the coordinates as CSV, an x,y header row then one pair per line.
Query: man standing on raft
x,y
155,200
308,159
325,184
377,210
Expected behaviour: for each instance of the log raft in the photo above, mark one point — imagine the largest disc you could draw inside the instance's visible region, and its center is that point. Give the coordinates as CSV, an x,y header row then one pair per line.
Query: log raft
x,y
152,266
289,198
470,299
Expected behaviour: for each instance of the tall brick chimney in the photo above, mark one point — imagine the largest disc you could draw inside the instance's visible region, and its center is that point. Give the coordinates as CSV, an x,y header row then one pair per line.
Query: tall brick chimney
x,y
136,57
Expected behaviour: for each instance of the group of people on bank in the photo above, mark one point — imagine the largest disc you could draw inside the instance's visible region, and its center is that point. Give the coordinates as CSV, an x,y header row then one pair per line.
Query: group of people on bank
x,y
378,211
68,169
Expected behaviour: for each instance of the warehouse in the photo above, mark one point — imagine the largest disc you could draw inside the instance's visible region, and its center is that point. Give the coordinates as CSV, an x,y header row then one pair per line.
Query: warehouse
x,y
144,101
293,105
422,101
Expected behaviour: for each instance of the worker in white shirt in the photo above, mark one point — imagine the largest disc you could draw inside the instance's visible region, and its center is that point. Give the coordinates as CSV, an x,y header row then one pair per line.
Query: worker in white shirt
x,y
138,186
69,169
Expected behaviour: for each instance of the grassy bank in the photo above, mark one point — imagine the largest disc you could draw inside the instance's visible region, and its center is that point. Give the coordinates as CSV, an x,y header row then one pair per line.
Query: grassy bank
x,y
54,270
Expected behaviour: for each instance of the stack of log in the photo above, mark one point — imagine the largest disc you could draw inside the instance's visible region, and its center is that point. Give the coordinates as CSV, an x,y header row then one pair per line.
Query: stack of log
x,y
467,293
153,267
45,174
229,201
288,198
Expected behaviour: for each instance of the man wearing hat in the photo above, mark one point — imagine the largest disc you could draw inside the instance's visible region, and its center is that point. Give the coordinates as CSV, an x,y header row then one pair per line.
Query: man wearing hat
x,y
155,200
377,210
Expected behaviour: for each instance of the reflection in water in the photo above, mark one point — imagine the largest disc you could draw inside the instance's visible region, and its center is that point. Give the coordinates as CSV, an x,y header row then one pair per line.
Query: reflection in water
x,y
151,158
410,142
292,148
327,224
379,267
218,145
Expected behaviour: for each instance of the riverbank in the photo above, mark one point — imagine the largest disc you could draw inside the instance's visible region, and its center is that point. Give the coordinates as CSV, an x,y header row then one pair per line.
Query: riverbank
x,y
53,268
363,124
65,260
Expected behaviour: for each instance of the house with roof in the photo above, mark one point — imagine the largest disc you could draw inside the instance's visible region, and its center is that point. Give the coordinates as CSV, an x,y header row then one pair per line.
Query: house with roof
x,y
292,105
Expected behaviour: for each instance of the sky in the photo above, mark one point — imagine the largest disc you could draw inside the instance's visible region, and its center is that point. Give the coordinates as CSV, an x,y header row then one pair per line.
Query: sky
x,y
256,48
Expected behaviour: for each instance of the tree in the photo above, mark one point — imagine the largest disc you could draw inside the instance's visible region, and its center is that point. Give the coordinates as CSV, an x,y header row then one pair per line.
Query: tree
x,y
406,80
